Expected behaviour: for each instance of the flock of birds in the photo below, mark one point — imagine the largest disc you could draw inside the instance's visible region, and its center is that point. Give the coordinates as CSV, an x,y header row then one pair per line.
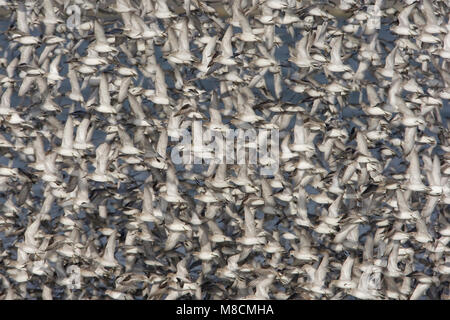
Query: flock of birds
x,y
95,95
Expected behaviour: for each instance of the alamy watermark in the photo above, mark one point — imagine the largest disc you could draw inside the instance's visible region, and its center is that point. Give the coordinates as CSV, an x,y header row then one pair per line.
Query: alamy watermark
x,y
74,19
74,277
231,146
374,20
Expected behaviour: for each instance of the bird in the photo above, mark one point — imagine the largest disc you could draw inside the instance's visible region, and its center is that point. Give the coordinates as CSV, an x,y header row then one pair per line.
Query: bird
x,y
228,150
